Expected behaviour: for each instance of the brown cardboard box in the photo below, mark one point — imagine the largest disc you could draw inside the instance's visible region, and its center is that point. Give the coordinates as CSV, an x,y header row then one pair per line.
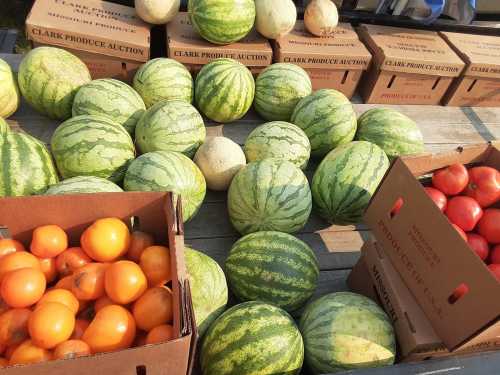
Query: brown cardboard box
x,y
409,66
430,255
479,84
155,213
487,6
108,37
335,62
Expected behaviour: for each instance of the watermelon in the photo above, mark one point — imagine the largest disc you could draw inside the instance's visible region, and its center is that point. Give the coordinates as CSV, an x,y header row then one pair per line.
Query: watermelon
x,y
222,21
208,288
392,131
278,89
163,79
90,145
172,125
252,338
4,128
346,331
168,171
9,92
26,166
328,119
280,140
269,194
83,185
346,179
111,98
49,79
224,90
272,267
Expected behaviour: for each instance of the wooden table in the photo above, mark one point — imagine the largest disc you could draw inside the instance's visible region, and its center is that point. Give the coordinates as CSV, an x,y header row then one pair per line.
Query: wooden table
x,y
337,248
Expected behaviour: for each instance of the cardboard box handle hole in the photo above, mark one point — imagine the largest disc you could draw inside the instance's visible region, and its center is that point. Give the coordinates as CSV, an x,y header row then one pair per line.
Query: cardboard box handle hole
x,y
140,370
436,83
393,78
396,207
459,293
472,85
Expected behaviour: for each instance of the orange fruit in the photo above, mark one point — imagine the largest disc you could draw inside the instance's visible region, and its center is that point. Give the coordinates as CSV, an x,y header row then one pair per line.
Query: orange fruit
x,y
155,262
153,308
14,326
80,327
17,260
10,349
28,353
106,239
8,245
138,242
50,324
70,260
101,302
71,349
65,283
88,281
48,267
113,328
23,287
4,362
161,333
124,282
62,296
48,241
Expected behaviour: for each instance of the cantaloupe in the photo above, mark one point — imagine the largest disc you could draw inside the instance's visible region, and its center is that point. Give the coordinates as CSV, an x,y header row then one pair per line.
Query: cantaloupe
x,y
321,17
157,12
275,18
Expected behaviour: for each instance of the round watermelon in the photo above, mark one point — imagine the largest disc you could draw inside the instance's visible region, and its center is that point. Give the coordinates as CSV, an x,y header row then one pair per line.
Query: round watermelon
x,y
278,89
83,185
328,119
270,194
163,79
111,98
9,92
252,338
168,171
208,288
272,267
173,125
49,79
346,331
222,21
224,90
90,145
280,140
346,179
392,131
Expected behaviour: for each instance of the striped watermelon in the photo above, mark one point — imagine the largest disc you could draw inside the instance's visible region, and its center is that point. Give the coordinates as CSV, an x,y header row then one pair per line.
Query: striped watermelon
x,y
278,89
173,125
49,79
224,90
328,119
9,92
346,179
208,288
389,129
270,194
168,171
280,140
222,21
272,267
111,98
82,185
163,79
252,338
346,331
26,166
90,145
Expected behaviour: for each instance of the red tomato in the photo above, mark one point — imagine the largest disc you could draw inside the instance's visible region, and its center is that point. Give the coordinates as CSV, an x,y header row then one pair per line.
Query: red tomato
x,y
464,211
438,197
495,255
484,185
495,270
460,231
479,245
489,225
451,180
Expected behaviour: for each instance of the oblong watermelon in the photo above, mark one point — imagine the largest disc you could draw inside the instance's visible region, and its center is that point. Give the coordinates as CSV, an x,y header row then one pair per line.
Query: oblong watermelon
x,y
168,171
272,267
222,21
172,125
346,331
49,79
346,179
224,90
90,145
252,338
9,92
111,98
392,131
278,89
270,194
328,119
163,79
83,185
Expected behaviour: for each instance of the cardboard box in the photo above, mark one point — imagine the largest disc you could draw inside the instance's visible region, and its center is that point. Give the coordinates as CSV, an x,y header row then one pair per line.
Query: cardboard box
x,y
487,6
156,215
429,254
335,62
479,84
108,37
409,66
